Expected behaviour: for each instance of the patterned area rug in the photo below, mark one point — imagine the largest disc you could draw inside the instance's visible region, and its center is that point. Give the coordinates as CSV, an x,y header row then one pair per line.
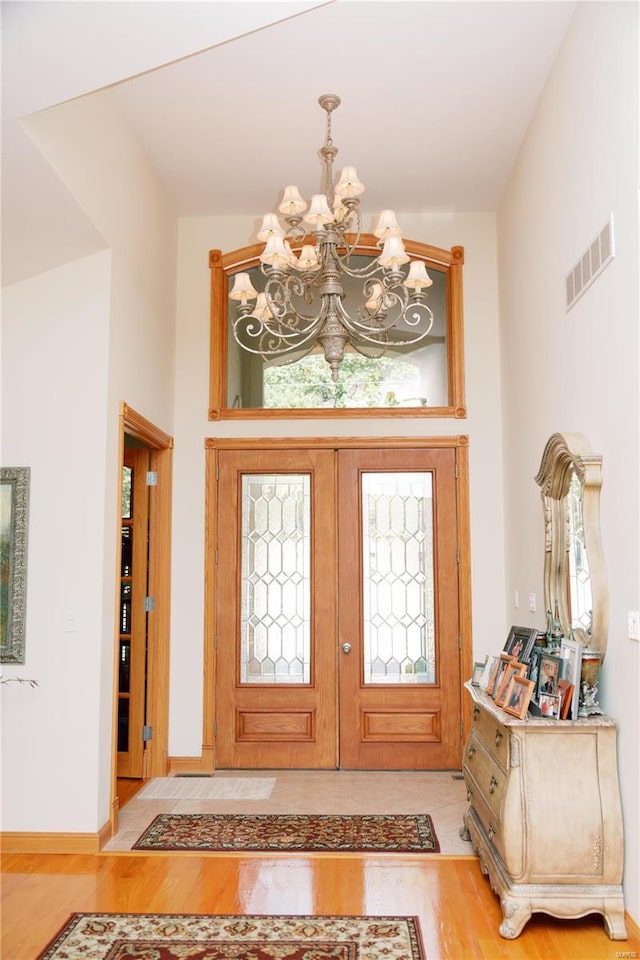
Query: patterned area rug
x,y
368,833
127,936
208,788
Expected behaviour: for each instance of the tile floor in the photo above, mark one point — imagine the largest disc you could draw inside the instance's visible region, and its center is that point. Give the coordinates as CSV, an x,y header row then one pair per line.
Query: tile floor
x,y
438,793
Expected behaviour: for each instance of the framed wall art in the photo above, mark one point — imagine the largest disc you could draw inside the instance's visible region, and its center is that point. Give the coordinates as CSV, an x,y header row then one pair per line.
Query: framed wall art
x,y
14,525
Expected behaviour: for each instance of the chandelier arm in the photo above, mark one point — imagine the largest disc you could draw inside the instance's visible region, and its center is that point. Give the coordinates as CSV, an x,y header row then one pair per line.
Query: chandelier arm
x,y
279,292
273,340
413,314
371,269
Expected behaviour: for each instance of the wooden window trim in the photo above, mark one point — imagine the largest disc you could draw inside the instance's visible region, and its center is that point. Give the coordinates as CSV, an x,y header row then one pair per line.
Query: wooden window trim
x,y
223,266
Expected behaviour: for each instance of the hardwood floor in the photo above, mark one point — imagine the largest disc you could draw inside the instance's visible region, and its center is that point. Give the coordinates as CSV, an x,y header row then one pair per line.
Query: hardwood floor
x,y
458,913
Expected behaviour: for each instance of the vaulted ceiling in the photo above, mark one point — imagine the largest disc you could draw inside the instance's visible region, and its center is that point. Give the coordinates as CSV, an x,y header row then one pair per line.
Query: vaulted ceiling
x,y
436,101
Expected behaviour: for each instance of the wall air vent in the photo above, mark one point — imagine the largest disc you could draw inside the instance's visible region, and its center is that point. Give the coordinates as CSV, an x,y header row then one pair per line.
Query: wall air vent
x,y
591,264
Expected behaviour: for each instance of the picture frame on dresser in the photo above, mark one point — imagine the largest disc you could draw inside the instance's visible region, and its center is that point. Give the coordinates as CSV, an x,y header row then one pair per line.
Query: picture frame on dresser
x,y
550,705
501,665
518,696
493,675
488,672
566,691
513,669
571,656
520,642
549,672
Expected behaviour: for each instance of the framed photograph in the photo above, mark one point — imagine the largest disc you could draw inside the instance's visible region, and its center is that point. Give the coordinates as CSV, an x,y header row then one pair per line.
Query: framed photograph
x,y
533,666
549,672
14,517
571,656
565,689
550,705
513,669
491,683
478,670
488,670
503,661
518,697
520,643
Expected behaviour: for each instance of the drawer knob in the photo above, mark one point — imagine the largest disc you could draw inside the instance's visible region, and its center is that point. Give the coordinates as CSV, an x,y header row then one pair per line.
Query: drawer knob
x,y
493,783
499,737
471,751
492,831
469,793
476,713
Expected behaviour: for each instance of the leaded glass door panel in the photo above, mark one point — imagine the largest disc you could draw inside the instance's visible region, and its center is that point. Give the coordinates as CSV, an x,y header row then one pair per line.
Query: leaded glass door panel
x,y
399,657
276,617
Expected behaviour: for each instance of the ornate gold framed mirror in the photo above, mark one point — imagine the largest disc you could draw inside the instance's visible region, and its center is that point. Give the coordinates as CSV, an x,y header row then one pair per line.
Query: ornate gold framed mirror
x,y
575,583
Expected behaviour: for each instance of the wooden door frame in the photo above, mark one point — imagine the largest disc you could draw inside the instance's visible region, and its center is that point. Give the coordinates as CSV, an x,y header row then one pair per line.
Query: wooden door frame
x,y
215,444
160,447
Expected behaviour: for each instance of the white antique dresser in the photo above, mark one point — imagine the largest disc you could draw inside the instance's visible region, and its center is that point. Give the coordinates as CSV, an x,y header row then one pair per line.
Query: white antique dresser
x,y
544,814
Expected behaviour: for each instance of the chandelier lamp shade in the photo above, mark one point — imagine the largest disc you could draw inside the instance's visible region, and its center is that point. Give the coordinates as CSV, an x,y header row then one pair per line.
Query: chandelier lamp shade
x,y
302,306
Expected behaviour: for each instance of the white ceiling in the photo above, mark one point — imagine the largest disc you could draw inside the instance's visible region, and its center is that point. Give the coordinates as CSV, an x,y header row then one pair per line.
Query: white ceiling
x,y
436,100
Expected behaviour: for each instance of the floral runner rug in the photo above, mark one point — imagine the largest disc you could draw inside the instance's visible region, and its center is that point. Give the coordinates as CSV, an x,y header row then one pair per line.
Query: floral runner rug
x,y
129,936
366,833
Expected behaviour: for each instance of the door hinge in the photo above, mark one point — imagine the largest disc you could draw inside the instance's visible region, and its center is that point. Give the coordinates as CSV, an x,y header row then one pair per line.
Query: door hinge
x,y
217,472
215,728
461,729
147,733
152,478
459,641
216,554
456,469
149,604
215,642
457,554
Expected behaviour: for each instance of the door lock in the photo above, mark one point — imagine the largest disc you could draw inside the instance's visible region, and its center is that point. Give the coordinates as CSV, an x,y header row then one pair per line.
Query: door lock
x,y
346,648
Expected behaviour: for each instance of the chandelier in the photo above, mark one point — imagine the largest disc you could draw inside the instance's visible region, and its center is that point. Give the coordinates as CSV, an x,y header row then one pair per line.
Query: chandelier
x,y
302,306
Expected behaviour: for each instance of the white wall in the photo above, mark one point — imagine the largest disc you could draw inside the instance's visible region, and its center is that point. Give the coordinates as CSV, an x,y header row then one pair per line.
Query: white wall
x,y
579,371
78,346
477,233
55,336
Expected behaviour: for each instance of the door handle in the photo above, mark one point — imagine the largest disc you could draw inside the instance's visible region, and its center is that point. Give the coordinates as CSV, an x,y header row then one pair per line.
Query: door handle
x,y
346,648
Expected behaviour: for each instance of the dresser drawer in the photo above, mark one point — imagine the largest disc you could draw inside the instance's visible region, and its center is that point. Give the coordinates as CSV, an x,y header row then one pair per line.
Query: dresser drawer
x,y
494,735
486,815
484,777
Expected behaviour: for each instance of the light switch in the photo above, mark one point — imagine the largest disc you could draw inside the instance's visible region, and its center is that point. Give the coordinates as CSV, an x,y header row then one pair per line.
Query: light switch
x,y
633,618
532,603
70,621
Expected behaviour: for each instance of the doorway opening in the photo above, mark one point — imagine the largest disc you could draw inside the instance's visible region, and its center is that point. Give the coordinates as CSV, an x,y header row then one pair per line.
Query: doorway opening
x,y
140,737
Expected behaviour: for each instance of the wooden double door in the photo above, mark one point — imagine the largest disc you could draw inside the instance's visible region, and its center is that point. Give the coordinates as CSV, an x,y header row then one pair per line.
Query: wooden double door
x,y
337,621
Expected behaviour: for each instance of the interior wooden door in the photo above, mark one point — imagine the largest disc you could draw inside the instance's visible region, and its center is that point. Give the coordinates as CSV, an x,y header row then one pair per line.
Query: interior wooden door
x,y
399,659
133,616
276,610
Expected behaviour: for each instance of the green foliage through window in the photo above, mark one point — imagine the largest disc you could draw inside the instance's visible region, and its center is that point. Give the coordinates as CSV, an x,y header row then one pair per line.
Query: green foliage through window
x,y
385,382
